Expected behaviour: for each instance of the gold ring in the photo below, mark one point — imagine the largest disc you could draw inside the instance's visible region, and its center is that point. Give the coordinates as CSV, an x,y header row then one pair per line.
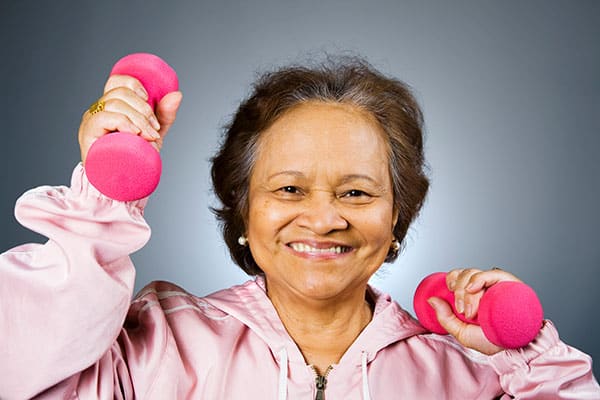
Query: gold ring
x,y
96,107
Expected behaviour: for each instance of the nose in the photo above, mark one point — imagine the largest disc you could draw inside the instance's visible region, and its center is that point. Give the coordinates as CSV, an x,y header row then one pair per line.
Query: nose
x,y
321,214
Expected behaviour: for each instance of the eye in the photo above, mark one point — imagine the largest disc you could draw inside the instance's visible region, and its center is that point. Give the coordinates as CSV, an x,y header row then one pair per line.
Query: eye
x,y
289,192
356,196
355,193
290,189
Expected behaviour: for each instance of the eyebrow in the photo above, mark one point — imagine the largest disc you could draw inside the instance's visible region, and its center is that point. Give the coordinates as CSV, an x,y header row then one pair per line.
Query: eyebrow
x,y
297,174
353,177
346,178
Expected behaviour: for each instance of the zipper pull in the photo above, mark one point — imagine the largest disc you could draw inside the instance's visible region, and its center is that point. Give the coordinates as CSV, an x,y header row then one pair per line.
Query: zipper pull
x,y
321,384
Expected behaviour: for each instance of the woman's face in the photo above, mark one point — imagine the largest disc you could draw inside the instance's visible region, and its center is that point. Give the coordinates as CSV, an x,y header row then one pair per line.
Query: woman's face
x,y
321,210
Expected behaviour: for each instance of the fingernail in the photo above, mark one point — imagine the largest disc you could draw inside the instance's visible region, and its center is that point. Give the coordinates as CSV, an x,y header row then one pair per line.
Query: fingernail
x,y
142,93
469,311
469,287
154,122
451,285
431,302
460,306
154,134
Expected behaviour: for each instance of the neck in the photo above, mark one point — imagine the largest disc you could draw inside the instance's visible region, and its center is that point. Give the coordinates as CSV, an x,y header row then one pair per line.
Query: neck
x,y
323,329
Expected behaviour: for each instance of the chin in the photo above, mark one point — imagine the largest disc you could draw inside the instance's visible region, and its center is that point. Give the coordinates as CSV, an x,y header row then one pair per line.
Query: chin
x,y
322,288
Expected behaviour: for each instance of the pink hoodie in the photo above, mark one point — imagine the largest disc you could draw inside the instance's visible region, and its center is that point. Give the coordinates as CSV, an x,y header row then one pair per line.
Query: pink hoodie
x,y
68,329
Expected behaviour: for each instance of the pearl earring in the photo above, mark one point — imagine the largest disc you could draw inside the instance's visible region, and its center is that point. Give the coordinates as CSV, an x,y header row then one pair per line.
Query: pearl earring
x,y
243,240
395,245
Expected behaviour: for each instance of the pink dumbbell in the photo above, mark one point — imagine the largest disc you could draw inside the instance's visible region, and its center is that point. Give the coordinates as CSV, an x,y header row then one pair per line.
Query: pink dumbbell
x,y
121,165
510,313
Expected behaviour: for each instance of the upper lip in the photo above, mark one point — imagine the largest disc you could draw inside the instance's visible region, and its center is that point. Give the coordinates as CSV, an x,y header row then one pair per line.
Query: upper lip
x,y
320,244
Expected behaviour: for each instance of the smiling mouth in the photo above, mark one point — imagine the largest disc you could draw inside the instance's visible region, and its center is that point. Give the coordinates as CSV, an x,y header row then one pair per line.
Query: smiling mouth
x,y
304,248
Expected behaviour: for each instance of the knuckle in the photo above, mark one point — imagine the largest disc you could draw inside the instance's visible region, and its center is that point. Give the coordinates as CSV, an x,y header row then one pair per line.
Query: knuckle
x,y
468,274
116,105
121,84
112,82
121,80
111,102
464,274
476,276
120,92
452,275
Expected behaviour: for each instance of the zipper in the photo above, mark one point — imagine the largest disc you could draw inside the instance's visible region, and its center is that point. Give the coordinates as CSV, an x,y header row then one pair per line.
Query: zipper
x,y
321,382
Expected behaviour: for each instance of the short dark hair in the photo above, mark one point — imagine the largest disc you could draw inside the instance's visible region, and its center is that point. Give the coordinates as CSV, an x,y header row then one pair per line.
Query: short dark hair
x,y
349,80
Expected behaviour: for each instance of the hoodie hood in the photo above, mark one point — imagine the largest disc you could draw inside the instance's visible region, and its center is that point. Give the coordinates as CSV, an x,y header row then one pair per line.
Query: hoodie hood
x,y
250,304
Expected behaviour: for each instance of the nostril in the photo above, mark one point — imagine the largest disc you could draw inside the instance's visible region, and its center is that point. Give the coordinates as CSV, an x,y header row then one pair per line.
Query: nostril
x,y
322,221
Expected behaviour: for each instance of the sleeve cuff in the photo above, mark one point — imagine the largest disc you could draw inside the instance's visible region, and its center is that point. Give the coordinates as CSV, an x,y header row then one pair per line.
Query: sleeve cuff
x,y
81,186
510,360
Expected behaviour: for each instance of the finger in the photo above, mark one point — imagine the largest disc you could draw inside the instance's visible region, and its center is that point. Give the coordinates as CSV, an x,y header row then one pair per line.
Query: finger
x,y
166,111
446,317
467,334
485,279
452,277
460,282
104,122
476,285
135,101
157,144
471,301
117,105
118,122
100,124
115,81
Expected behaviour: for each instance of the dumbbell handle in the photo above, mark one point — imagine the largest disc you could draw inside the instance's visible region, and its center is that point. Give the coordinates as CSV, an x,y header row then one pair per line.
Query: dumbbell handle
x,y
510,313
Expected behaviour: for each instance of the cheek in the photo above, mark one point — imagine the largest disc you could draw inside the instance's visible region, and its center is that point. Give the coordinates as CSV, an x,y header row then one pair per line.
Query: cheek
x,y
266,217
377,227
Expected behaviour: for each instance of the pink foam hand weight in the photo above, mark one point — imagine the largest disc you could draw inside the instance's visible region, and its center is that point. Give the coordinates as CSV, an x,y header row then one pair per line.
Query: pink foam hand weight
x,y
510,313
122,165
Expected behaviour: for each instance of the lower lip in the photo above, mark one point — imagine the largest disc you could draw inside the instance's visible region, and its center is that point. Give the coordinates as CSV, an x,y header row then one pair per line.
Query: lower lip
x,y
318,255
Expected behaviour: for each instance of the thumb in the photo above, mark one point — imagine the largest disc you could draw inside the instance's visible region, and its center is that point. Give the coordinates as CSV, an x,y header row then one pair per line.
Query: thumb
x,y
468,335
166,110
446,317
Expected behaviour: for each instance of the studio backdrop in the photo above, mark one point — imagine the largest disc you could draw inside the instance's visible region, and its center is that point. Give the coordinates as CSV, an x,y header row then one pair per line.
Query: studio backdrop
x,y
510,92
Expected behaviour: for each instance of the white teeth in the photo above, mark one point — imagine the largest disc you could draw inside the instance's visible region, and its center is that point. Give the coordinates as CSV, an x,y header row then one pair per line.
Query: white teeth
x,y
304,248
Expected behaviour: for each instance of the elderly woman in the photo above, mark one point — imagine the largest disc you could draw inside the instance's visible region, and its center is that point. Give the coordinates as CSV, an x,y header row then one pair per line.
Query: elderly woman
x,y
320,175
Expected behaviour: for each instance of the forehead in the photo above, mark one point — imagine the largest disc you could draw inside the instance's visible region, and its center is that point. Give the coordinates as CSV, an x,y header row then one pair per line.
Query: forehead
x,y
324,135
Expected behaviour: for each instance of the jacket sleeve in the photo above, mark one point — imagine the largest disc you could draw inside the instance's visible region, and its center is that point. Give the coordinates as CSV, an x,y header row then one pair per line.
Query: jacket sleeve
x,y
546,369
63,303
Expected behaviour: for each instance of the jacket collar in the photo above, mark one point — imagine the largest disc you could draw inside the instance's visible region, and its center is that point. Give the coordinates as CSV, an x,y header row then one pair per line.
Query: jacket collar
x,y
250,304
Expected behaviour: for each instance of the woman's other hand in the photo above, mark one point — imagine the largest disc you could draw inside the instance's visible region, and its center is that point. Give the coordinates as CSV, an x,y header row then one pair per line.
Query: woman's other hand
x,y
126,110
468,286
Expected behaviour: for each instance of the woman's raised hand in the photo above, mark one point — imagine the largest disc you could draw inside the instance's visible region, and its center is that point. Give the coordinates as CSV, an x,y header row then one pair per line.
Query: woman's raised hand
x,y
468,286
126,110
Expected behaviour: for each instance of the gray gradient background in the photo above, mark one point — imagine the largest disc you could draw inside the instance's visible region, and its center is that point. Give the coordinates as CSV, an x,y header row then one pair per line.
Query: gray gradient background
x,y
510,90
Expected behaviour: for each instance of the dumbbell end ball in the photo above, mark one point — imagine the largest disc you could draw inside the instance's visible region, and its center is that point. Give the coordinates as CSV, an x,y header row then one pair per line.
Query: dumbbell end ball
x,y
157,77
123,166
510,314
432,285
